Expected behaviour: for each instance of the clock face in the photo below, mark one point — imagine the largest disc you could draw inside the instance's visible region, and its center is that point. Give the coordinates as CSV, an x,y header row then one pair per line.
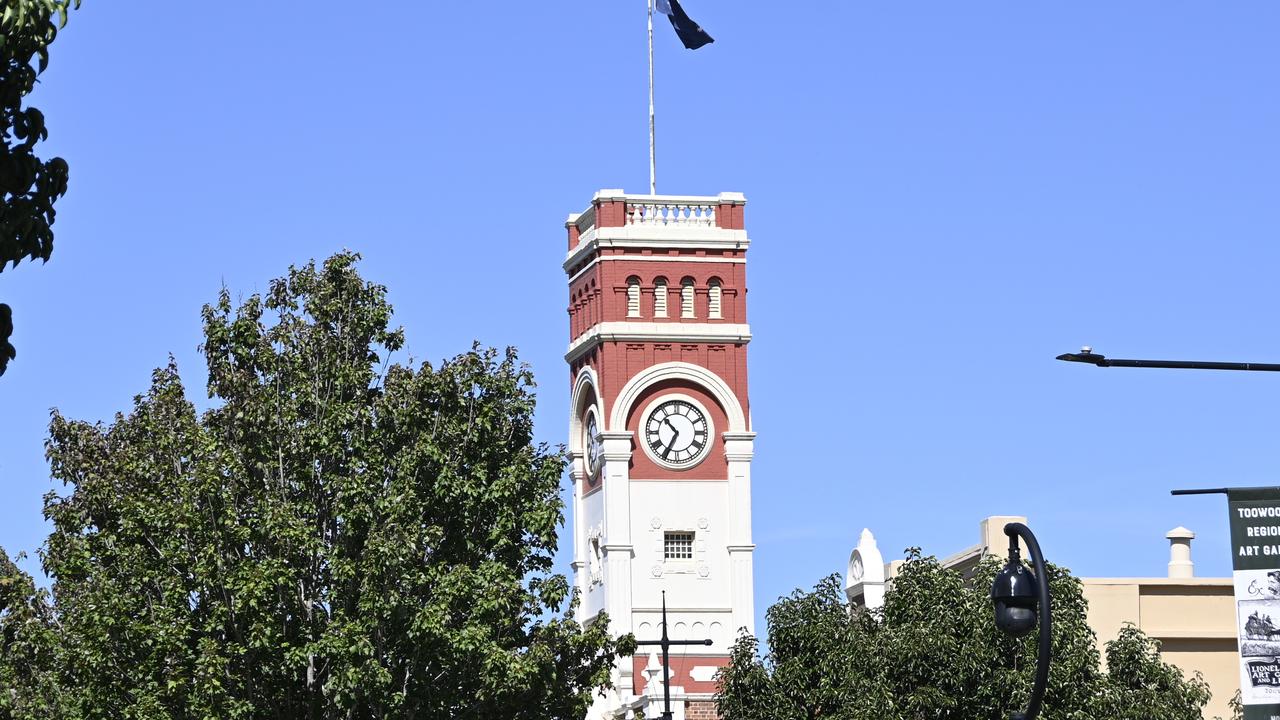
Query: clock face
x,y
677,433
593,445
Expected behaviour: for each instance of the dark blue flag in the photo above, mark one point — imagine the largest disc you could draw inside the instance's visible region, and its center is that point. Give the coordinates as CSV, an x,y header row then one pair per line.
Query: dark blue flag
x,y
690,32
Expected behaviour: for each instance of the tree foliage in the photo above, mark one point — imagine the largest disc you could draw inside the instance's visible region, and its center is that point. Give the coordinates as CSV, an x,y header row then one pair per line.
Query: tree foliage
x,y
933,652
28,647
29,186
336,538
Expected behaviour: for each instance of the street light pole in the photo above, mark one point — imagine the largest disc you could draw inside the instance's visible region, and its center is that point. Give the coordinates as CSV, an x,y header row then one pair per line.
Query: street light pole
x,y
1089,357
1016,597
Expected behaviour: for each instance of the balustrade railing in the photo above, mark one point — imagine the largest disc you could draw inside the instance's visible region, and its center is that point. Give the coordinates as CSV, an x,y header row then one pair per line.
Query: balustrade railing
x,y
680,213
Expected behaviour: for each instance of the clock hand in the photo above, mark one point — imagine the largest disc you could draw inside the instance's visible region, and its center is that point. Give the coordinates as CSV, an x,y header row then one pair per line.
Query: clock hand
x,y
675,434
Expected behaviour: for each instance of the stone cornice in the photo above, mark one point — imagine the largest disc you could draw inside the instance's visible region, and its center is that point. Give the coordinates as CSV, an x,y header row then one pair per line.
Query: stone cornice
x,y
691,238
672,332
615,445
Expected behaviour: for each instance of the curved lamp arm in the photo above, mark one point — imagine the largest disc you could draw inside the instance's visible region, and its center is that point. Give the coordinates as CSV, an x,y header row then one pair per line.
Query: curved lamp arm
x,y
1017,530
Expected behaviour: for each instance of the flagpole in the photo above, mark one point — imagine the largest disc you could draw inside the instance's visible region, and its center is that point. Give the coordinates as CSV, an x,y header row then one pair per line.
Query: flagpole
x,y
653,168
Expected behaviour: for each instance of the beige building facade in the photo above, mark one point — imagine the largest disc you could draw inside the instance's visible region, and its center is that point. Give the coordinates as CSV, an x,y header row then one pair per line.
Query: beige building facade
x,y
1193,618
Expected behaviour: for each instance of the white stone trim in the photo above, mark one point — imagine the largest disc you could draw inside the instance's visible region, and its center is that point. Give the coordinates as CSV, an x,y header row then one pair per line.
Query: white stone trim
x,y
679,483
649,237
724,198
676,370
741,588
609,194
673,610
586,379
703,673
617,445
585,385
738,446
672,332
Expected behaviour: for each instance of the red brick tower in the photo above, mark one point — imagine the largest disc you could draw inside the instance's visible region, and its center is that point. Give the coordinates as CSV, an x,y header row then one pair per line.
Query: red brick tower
x,y
660,432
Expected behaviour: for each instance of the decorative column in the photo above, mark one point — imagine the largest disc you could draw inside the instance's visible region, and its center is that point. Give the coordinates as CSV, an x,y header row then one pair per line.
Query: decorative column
x,y
739,447
617,548
578,474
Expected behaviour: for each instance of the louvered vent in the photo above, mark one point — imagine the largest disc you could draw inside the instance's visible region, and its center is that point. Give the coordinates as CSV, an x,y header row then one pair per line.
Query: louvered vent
x,y
660,297
633,297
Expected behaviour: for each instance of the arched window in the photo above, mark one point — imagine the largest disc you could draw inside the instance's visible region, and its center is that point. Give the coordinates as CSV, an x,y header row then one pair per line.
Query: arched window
x,y
660,297
633,297
686,298
713,299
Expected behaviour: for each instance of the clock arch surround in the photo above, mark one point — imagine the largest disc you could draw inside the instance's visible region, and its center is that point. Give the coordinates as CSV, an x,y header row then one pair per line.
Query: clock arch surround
x,y
586,395
688,372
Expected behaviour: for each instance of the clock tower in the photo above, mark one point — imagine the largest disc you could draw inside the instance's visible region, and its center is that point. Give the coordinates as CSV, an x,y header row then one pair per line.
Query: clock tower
x,y
660,435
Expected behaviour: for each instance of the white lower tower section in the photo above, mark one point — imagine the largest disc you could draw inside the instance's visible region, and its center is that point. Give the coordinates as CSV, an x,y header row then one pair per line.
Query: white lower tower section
x,y
621,567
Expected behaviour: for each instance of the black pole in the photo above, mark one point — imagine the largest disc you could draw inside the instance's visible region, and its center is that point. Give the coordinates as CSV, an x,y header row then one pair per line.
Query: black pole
x,y
1089,357
1014,531
665,643
666,664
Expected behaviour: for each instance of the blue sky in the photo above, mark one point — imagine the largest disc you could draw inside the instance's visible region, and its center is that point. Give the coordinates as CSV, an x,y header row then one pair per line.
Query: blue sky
x,y
942,197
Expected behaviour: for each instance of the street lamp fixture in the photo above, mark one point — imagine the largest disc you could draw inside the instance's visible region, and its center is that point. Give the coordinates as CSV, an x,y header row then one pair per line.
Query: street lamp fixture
x,y
1019,597
1089,357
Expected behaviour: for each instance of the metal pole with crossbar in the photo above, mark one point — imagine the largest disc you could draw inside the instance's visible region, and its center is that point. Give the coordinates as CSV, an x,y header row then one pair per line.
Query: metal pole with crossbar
x,y
665,643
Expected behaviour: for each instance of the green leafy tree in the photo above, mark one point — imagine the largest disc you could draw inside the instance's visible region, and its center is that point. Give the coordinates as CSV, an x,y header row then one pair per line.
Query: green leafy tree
x,y
336,538
933,652
29,686
29,186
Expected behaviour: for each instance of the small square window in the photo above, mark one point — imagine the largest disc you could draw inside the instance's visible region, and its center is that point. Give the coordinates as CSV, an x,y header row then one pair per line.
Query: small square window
x,y
677,546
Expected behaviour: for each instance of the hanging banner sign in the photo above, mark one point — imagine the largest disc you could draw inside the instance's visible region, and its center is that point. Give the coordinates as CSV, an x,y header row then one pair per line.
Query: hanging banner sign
x,y
1255,547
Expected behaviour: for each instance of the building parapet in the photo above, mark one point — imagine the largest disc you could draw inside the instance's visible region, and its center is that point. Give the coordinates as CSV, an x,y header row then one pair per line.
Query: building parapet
x,y
616,219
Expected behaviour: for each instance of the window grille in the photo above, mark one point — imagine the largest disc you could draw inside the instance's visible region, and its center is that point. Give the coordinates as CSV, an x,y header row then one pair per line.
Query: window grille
x,y
677,546
713,299
633,297
686,298
660,297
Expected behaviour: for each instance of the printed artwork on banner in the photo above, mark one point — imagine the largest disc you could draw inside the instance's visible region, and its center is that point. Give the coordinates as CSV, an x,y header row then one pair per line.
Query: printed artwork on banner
x,y
1254,514
1258,614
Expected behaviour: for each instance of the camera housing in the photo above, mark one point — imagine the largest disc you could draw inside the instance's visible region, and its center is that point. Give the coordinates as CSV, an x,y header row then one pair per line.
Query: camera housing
x,y
1015,594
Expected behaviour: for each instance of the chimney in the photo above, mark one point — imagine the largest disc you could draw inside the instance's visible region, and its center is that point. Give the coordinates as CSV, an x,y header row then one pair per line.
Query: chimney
x,y
1180,565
